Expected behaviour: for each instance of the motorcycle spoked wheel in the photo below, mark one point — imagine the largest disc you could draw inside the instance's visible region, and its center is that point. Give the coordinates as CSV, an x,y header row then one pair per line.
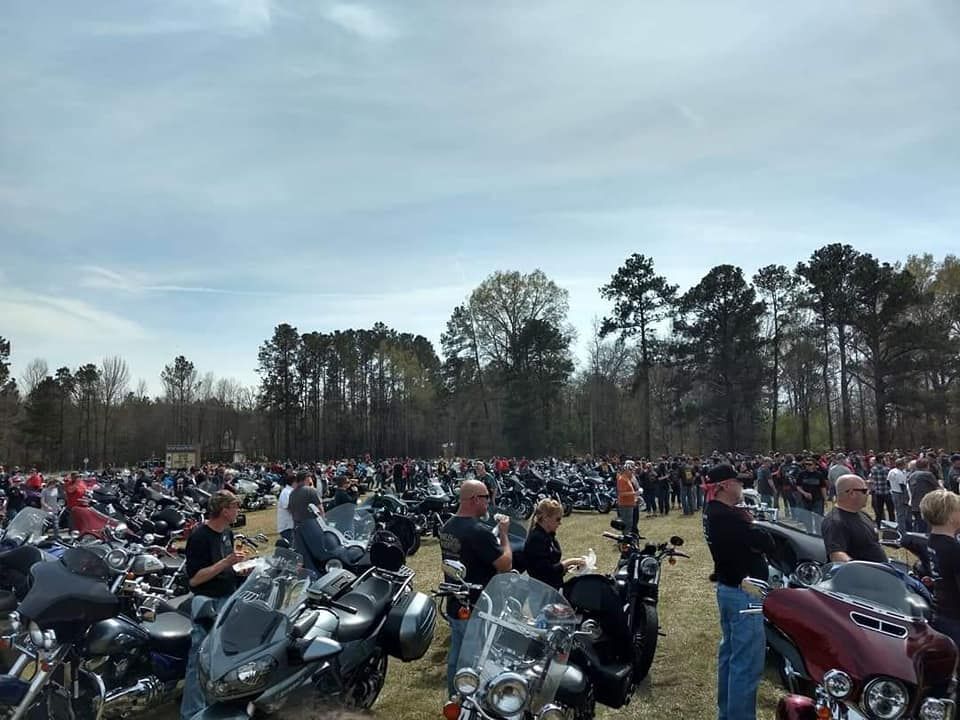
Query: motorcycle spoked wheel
x,y
371,677
604,506
525,510
645,636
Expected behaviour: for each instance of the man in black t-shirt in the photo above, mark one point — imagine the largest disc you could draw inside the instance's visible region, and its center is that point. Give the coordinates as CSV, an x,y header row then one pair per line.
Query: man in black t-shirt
x,y
847,533
210,560
737,547
465,539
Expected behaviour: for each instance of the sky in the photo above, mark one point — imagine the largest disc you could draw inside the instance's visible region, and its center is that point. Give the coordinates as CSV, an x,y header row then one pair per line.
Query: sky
x,y
180,176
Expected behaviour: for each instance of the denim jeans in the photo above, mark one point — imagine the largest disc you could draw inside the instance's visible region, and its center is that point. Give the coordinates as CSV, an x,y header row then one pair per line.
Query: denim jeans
x,y
902,509
688,499
625,513
193,699
741,655
457,630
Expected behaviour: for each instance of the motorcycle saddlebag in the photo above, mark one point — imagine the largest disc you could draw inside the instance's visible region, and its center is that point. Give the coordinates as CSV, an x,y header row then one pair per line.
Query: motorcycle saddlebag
x,y
408,630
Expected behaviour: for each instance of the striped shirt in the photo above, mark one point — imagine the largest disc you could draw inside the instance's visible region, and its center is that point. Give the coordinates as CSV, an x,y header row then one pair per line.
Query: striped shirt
x,y
878,478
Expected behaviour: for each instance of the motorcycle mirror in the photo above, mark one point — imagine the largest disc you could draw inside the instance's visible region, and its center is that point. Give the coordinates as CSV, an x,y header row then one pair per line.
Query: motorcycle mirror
x,y
618,525
282,543
455,568
676,541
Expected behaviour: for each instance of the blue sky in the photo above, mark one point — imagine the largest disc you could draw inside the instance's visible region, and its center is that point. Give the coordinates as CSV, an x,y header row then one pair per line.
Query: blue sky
x,y
179,176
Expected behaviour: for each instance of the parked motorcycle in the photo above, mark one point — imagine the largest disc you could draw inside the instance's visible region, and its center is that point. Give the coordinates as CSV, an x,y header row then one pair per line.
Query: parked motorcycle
x,y
88,659
281,639
799,550
515,662
624,606
858,645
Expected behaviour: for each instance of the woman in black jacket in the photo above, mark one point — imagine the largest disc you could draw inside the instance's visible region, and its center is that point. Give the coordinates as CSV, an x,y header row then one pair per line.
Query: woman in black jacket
x,y
542,551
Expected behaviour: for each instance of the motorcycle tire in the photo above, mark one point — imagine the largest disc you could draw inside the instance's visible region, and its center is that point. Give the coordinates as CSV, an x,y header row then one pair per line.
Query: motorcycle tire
x,y
646,633
604,506
365,693
586,706
567,508
526,509
406,533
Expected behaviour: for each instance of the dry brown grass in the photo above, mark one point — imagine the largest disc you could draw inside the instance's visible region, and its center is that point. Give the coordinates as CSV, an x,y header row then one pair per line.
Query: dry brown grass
x,y
682,682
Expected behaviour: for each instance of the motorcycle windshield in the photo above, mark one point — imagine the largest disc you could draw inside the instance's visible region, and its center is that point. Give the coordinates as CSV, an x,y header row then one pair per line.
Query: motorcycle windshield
x,y
802,520
247,487
271,593
26,528
514,635
354,523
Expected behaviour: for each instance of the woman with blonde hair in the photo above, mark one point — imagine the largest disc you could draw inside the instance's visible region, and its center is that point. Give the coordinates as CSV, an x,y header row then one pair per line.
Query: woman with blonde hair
x,y
542,550
941,510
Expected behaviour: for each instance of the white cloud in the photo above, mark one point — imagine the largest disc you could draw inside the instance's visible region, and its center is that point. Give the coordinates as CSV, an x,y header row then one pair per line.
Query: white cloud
x,y
361,20
44,315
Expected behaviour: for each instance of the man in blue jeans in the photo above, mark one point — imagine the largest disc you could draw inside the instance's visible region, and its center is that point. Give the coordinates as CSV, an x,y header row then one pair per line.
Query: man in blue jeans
x,y
465,539
737,547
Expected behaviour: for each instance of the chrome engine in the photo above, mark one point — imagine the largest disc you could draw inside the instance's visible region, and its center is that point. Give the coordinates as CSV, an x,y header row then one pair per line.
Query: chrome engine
x,y
147,693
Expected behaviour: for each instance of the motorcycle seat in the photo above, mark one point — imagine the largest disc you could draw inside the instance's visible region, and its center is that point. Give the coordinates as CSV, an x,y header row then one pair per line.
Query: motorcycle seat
x,y
370,599
8,601
170,634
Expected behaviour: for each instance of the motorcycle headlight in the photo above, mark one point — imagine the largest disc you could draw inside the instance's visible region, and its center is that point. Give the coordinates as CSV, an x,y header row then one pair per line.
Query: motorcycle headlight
x,y
333,564
936,709
244,680
808,573
42,639
466,681
14,620
837,684
507,693
116,559
649,567
552,712
885,698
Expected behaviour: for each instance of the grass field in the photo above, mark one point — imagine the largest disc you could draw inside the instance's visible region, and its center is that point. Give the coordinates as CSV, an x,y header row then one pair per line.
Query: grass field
x,y
682,683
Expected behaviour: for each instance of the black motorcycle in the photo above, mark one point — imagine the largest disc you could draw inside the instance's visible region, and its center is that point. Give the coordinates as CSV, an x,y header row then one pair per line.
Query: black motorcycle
x,y
346,537
282,640
90,660
624,606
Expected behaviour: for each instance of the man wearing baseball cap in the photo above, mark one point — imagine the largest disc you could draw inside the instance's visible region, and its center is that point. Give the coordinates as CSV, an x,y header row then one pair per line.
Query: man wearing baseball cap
x,y
737,547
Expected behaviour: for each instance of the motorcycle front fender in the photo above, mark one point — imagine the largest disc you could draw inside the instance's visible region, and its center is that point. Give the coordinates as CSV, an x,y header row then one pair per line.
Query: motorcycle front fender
x,y
796,707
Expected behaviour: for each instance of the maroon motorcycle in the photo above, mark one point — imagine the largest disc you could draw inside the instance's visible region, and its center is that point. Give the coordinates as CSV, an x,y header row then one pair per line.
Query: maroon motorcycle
x,y
858,645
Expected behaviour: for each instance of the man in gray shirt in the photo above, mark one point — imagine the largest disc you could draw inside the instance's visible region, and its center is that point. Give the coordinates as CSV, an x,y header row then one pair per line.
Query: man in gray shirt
x,y
302,497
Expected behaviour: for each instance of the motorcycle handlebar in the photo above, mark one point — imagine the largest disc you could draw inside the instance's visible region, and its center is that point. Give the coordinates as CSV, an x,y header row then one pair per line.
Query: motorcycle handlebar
x,y
612,536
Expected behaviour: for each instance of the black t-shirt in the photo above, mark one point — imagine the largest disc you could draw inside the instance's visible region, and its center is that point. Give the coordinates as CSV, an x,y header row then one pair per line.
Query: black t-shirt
x,y
852,533
945,567
300,500
471,542
206,547
736,544
811,481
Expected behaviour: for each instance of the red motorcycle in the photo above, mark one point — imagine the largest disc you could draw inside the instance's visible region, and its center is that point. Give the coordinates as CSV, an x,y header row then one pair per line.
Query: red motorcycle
x,y
858,645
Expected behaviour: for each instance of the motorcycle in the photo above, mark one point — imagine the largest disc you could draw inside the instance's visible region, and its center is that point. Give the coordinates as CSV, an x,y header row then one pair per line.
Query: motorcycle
x,y
515,662
393,514
88,659
282,639
858,645
624,606
347,537
799,550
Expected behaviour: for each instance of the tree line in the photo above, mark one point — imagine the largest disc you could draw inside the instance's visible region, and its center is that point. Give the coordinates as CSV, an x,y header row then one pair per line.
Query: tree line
x,y
843,350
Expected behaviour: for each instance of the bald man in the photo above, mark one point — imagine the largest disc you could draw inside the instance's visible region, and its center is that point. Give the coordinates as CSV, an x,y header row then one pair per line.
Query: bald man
x,y
465,539
848,534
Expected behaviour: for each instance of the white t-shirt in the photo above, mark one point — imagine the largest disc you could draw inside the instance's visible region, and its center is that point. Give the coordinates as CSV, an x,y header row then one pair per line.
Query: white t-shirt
x,y
284,518
898,480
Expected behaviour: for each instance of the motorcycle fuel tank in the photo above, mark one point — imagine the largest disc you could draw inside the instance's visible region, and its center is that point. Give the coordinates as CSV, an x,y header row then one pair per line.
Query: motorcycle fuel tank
x,y
115,636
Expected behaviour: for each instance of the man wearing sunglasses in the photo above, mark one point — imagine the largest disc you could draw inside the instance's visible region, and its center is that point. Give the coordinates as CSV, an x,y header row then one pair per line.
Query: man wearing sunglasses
x,y
848,534
465,539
